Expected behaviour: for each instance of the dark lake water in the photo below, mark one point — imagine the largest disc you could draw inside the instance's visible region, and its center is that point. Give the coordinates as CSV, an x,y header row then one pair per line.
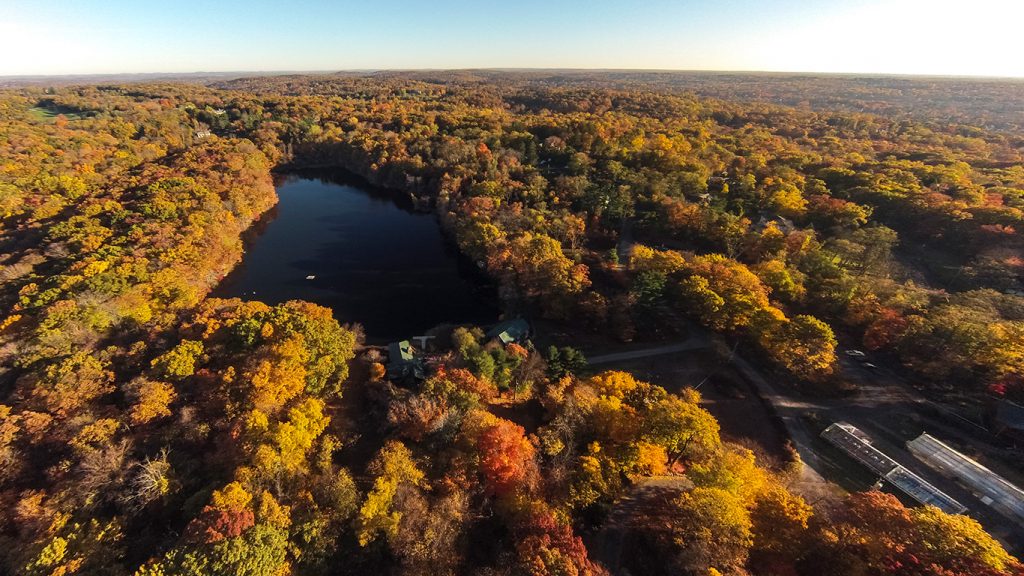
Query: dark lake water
x,y
376,260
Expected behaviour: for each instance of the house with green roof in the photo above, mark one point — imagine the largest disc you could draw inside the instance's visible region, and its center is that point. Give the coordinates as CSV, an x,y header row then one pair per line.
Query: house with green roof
x,y
509,331
403,362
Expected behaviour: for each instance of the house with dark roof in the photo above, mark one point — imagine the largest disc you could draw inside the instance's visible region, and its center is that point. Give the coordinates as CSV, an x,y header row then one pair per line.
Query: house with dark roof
x,y
509,331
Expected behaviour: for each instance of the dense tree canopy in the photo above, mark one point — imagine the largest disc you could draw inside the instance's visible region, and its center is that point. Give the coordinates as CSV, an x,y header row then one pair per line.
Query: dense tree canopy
x,y
147,428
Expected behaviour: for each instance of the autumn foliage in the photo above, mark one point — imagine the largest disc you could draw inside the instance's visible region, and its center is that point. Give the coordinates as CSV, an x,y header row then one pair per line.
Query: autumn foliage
x,y
148,428
507,459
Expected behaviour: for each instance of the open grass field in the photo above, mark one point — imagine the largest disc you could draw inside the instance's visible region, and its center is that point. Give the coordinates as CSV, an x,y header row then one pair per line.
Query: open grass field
x,y
50,114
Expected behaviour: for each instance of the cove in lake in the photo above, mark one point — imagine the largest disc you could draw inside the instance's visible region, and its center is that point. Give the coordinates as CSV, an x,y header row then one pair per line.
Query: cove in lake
x,y
376,261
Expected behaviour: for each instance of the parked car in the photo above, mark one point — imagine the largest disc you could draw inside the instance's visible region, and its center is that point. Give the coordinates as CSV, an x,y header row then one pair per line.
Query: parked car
x,y
855,354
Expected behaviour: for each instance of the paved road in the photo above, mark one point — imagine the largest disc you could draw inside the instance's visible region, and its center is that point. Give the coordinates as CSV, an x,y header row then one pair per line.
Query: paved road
x,y
883,406
810,483
693,343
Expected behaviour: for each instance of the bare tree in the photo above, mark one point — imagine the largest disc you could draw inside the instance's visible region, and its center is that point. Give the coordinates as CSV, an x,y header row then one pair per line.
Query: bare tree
x,y
152,480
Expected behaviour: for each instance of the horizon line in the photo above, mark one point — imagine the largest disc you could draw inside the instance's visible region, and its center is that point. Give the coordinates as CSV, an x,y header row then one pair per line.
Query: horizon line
x,y
257,73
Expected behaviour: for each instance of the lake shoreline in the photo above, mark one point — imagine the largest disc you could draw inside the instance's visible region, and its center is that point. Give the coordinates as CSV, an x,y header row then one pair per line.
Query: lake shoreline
x,y
335,240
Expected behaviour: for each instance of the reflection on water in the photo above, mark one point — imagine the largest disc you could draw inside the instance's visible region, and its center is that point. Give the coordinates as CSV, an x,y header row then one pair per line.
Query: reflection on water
x,y
362,252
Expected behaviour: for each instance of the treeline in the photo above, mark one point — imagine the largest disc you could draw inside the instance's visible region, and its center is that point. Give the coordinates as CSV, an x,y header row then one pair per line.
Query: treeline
x,y
903,235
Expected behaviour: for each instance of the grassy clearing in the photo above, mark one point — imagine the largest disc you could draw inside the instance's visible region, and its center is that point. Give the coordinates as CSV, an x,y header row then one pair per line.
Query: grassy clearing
x,y
49,114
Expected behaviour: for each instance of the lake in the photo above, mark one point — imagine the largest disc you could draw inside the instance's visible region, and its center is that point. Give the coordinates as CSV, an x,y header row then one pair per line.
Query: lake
x,y
375,260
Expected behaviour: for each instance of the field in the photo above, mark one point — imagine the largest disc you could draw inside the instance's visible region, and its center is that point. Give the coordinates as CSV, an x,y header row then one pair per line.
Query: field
x,y
50,114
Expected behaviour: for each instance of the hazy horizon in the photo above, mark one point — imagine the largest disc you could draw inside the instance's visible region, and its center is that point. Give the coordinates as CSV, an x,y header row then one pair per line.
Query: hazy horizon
x,y
863,37
311,71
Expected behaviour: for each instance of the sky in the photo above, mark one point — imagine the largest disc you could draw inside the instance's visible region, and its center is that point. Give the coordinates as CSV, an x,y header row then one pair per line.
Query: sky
x,y
935,37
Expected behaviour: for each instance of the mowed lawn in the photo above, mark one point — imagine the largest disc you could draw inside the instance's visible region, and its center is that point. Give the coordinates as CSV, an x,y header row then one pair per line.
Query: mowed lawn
x,y
49,114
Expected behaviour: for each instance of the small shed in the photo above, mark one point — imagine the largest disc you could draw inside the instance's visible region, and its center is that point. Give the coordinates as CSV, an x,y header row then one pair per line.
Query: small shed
x,y
509,331
403,362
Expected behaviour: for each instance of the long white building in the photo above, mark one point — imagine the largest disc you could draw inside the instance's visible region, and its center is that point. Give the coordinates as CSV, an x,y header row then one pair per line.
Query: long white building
x,y
989,487
857,444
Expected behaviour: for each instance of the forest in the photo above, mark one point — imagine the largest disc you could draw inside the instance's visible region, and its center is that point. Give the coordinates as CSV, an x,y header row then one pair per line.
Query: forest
x,y
149,429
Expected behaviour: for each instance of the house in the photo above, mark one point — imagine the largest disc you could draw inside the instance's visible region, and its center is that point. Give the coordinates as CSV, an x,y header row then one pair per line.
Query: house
x,y
785,225
403,363
509,331
717,183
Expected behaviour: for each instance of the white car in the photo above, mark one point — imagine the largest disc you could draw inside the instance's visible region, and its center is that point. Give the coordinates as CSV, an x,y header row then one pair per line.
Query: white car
x,y
855,354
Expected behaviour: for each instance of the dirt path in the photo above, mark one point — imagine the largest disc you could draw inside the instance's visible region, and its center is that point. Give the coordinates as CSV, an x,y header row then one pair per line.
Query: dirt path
x,y
624,248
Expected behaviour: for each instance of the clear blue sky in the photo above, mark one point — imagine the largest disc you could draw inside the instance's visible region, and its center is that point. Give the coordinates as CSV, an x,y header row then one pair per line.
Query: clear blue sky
x,y
976,37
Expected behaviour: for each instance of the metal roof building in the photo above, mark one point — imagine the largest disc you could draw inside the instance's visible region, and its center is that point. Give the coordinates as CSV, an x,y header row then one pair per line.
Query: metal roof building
x,y
510,331
857,444
991,488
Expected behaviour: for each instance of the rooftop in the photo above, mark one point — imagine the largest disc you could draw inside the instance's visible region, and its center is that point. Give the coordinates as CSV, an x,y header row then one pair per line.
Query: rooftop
x,y
400,351
510,331
857,444
991,488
